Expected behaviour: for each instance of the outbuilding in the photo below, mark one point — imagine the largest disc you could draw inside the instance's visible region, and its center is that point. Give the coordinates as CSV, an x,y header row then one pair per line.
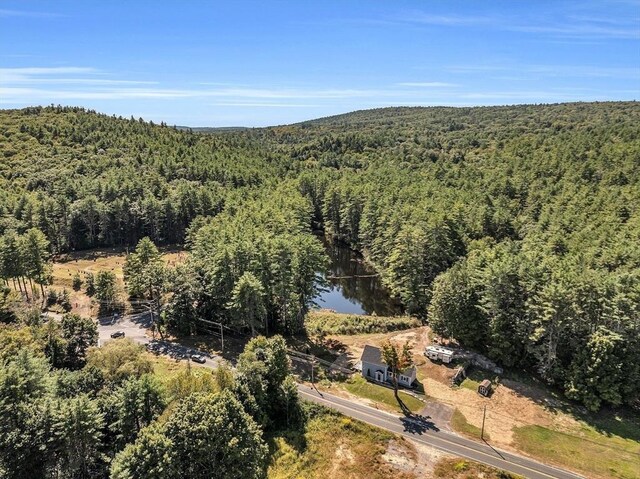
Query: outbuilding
x,y
484,387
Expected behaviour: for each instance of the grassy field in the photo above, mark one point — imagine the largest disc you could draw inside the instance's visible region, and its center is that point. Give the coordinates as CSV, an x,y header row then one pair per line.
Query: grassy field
x,y
164,367
380,394
452,468
336,447
615,457
475,376
332,446
111,259
459,424
93,261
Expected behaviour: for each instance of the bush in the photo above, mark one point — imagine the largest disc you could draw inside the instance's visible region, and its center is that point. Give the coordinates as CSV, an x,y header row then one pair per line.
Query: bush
x,y
65,300
77,282
321,323
52,297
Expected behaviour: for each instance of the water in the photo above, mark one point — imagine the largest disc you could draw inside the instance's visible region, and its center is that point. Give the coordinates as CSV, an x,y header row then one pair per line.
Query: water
x,y
353,286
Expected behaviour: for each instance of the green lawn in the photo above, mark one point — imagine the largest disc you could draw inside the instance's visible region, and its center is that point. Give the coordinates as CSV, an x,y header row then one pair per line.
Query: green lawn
x,y
459,424
592,453
165,368
380,394
475,376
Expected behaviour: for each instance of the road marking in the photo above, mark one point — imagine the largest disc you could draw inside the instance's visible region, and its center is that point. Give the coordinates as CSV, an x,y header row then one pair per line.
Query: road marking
x,y
443,438
391,420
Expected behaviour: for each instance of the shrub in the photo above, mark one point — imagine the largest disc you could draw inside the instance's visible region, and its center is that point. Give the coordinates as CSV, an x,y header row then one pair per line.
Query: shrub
x,y
321,323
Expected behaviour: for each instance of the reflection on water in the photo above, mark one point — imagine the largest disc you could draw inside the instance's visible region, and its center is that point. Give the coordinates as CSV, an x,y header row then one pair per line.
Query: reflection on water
x,y
353,287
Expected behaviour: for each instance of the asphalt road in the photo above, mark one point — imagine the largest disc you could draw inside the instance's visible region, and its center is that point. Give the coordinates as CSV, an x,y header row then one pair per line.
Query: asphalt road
x,y
417,429
423,431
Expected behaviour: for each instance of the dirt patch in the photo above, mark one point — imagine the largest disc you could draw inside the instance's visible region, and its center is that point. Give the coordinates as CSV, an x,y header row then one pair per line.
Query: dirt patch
x,y
513,404
343,457
410,458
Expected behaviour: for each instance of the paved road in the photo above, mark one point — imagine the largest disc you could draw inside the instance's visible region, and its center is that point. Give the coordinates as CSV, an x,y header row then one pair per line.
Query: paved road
x,y
134,326
423,431
417,429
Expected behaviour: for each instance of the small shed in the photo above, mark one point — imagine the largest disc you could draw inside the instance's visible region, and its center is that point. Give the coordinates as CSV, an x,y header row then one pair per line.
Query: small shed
x,y
439,353
485,387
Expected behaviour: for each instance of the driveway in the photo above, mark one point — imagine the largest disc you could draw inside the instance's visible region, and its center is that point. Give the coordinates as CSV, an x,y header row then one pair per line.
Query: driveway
x,y
136,328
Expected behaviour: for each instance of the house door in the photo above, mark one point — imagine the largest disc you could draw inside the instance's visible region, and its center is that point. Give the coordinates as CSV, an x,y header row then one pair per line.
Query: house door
x,y
379,376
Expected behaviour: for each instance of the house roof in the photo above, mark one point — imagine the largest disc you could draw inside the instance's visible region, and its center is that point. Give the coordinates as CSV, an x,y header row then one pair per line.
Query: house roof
x,y
486,383
372,355
409,371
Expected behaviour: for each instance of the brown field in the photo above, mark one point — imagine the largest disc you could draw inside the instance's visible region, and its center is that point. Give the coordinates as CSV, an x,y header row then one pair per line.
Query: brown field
x,y
522,415
337,447
93,261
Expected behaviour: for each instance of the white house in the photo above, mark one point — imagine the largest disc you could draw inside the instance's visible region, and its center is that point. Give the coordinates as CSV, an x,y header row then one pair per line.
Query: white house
x,y
374,368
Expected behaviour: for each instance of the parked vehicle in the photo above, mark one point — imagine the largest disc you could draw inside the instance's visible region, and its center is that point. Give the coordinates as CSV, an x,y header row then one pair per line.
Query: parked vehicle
x,y
198,358
439,353
117,334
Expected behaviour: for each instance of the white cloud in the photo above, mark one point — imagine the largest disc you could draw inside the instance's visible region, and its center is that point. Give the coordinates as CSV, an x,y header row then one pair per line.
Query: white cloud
x,y
264,105
445,20
432,84
563,26
23,86
550,70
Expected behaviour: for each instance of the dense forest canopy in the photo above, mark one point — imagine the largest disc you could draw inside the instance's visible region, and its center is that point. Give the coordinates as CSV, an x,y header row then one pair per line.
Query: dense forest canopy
x,y
514,230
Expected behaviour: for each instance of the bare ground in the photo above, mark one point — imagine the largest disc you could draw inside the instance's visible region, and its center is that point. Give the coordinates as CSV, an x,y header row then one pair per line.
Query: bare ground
x,y
511,405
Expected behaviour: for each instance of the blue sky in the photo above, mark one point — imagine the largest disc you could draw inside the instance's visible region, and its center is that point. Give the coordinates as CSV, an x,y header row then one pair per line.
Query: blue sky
x,y
256,63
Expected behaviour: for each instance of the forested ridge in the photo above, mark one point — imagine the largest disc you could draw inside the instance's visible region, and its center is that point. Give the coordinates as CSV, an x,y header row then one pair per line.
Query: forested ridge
x,y
514,230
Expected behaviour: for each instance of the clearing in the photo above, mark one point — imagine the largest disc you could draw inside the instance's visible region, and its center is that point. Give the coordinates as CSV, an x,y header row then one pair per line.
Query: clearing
x,y
522,414
67,266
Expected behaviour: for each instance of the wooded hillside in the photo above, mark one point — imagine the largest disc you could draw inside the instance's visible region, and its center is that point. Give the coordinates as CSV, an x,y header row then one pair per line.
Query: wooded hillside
x,y
514,230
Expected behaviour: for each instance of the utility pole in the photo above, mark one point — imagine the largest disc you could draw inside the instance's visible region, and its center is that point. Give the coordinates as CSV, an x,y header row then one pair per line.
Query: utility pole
x,y
484,413
222,337
312,363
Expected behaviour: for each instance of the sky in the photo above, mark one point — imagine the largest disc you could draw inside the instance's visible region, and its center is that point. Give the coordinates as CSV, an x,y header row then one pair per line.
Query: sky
x,y
259,63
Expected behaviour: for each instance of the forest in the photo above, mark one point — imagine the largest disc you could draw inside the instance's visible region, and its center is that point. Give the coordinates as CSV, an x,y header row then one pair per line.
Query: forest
x,y
511,230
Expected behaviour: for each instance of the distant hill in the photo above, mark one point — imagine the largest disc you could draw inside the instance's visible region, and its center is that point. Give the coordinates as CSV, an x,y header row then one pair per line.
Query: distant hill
x,y
211,129
513,230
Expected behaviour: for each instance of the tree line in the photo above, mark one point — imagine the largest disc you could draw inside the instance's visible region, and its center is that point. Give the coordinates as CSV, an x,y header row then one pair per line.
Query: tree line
x,y
71,410
512,230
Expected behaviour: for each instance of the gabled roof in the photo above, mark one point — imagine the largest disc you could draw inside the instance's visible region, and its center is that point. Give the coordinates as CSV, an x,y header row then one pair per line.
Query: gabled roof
x,y
372,355
409,371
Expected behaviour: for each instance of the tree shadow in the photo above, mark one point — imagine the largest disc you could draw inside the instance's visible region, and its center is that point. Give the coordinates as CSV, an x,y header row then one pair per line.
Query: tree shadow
x,y
623,422
327,349
417,424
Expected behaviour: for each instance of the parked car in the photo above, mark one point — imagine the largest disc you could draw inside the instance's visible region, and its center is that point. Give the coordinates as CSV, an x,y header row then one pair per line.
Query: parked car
x,y
198,358
117,334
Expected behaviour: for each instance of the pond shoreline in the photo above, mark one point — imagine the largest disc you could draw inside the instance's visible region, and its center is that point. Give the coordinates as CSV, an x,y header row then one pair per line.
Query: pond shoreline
x,y
353,284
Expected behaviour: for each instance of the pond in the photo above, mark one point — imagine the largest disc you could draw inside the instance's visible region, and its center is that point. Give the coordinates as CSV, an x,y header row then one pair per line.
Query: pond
x,y
353,287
